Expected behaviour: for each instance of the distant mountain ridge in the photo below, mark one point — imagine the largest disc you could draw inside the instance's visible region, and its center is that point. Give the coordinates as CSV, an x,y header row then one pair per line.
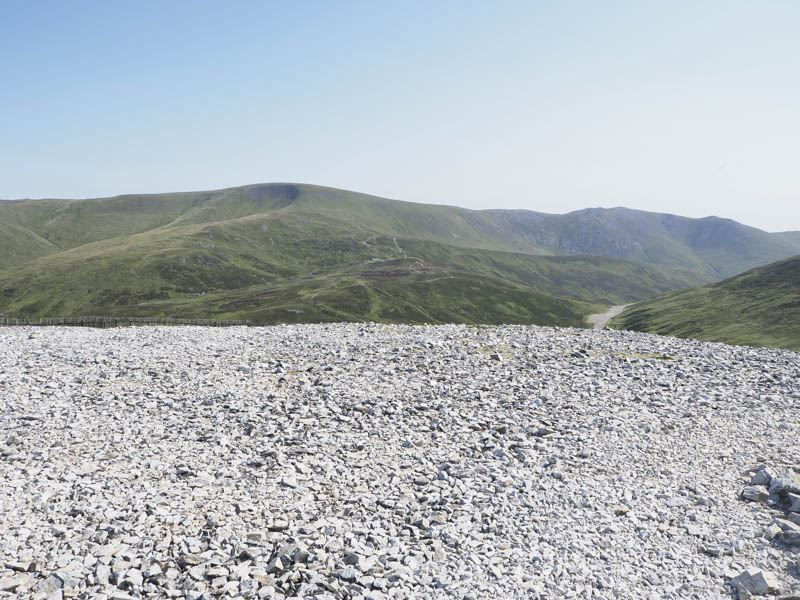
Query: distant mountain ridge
x,y
274,251
711,247
790,235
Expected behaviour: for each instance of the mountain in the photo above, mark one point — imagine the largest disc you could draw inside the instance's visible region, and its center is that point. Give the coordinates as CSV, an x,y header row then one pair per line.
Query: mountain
x,y
712,248
270,268
275,252
760,307
792,236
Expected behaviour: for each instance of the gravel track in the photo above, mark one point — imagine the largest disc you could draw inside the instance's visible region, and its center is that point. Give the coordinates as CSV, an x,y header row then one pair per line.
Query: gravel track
x,y
600,320
371,461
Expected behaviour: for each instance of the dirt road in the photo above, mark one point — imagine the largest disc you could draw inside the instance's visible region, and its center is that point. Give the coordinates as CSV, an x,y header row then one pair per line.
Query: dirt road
x,y
599,320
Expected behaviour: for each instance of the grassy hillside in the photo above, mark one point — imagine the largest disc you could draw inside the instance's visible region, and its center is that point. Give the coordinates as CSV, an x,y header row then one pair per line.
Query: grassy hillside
x,y
267,252
709,248
178,270
20,245
594,278
760,307
386,293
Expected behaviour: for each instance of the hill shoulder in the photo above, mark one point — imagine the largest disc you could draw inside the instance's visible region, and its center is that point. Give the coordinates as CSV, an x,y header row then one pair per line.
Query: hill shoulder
x,y
760,307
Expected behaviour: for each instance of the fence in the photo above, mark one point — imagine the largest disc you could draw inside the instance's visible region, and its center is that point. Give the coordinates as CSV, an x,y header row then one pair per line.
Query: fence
x,y
104,322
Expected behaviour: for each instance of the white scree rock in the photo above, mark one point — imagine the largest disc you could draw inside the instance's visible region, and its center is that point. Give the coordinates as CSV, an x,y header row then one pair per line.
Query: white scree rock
x,y
372,461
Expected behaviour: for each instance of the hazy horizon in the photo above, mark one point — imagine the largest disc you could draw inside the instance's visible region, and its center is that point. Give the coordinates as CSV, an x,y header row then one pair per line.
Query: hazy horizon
x,y
684,108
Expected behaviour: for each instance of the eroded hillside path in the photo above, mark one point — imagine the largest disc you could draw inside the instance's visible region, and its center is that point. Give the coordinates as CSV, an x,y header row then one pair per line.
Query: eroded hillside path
x,y
600,320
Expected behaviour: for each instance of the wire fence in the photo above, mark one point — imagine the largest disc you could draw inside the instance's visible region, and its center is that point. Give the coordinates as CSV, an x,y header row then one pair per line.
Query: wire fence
x,y
103,322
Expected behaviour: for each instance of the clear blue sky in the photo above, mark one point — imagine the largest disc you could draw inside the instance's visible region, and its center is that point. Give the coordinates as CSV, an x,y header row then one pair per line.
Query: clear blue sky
x,y
690,107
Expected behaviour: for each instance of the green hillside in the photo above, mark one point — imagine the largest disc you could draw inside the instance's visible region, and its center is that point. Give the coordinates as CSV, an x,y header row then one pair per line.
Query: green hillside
x,y
237,265
267,252
20,244
711,248
760,307
389,292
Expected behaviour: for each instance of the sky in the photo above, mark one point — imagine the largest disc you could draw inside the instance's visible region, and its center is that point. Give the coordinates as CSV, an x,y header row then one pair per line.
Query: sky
x,y
689,107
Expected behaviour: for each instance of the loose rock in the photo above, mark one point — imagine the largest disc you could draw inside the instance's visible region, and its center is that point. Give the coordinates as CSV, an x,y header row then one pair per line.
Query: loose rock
x,y
756,582
372,461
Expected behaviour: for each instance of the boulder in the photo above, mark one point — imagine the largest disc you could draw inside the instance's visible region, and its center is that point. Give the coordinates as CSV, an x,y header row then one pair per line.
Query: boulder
x,y
755,493
756,582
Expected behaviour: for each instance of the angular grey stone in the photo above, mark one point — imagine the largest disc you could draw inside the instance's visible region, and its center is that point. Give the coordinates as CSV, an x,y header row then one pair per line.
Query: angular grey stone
x,y
12,583
190,559
68,580
742,592
279,564
348,574
790,538
218,571
198,572
352,559
58,530
134,577
152,570
772,530
786,525
755,493
762,477
279,525
784,485
267,592
102,574
50,584
756,582
248,586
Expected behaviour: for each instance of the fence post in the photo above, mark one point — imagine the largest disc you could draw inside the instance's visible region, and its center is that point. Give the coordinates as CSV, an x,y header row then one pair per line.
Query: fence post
x,y
104,322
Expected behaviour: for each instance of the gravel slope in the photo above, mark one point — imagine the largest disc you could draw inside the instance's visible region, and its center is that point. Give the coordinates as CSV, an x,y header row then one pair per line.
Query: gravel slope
x,y
371,461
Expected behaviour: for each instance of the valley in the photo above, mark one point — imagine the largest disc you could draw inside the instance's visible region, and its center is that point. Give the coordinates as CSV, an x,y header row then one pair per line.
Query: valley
x,y
277,253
